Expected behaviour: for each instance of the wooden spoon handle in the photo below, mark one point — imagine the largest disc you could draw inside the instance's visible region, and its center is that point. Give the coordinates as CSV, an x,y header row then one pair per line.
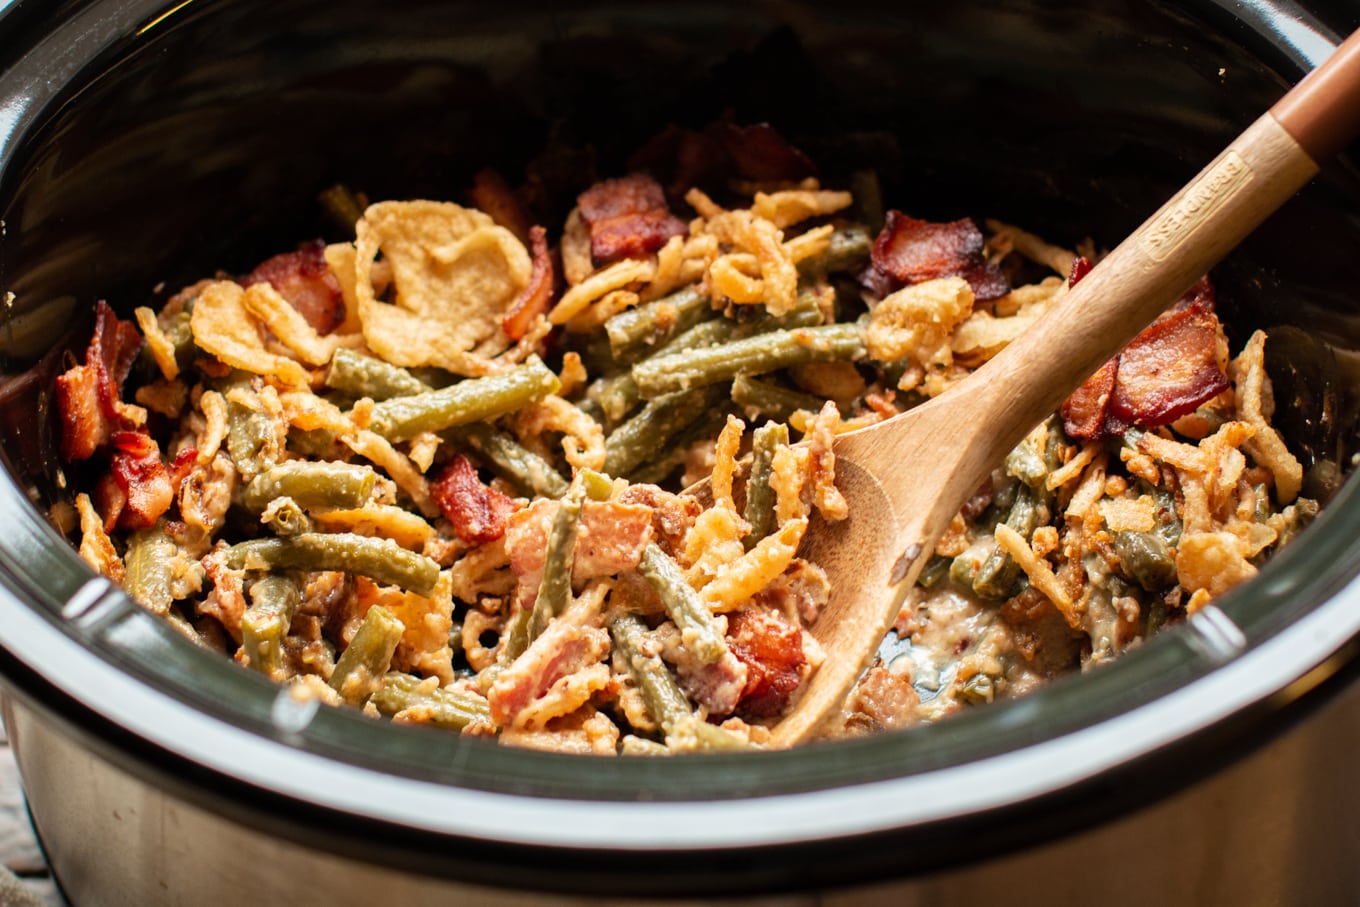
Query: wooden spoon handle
x,y
1322,113
1248,181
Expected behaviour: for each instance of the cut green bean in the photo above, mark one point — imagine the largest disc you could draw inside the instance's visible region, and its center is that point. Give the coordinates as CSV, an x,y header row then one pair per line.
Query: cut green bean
x,y
284,516
366,660
632,331
1146,559
655,427
554,589
847,250
382,560
662,695
312,484
250,436
683,604
513,461
446,707
760,495
273,601
358,375
472,400
750,356
764,398
150,565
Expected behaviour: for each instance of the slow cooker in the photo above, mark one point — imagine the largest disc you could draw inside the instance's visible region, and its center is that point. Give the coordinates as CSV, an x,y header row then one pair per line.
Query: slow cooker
x,y
145,142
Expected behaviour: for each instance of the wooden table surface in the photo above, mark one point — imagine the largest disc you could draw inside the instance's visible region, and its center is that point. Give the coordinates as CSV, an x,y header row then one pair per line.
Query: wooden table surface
x,y
19,851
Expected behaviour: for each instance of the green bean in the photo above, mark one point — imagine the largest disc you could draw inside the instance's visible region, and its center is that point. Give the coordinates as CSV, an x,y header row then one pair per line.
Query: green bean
x,y
662,695
806,313
446,707
473,400
1145,559
760,495
382,560
273,601
516,637
250,437
655,427
150,564
683,604
359,672
313,484
752,356
998,574
634,330
618,395
358,375
770,400
554,589
848,250
284,516
512,461
596,485
935,569
657,468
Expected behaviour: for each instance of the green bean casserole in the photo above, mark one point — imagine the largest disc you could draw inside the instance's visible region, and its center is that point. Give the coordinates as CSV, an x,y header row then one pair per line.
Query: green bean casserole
x,y
435,470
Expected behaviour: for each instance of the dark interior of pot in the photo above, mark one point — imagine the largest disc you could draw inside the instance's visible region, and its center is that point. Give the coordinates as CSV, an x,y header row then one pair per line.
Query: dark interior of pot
x,y
200,143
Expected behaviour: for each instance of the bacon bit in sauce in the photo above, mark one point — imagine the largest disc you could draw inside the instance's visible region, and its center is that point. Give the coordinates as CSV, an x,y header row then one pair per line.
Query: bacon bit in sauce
x,y
533,301
477,511
1168,370
141,478
772,650
909,251
87,394
304,279
627,218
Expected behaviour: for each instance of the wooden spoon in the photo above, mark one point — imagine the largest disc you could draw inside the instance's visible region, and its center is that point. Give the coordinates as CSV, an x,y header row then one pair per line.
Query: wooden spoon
x,y
906,477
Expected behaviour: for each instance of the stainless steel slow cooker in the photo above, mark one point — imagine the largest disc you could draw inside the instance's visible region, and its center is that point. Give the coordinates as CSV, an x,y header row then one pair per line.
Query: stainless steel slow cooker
x,y
146,142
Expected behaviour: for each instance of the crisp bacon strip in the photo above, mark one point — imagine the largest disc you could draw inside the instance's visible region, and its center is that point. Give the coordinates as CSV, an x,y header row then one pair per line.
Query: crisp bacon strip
x,y
909,251
533,301
772,650
1168,370
627,218
304,279
477,511
761,154
87,394
143,483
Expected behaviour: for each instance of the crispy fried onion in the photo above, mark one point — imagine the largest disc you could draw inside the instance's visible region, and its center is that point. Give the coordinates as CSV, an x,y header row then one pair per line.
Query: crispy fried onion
x,y
914,325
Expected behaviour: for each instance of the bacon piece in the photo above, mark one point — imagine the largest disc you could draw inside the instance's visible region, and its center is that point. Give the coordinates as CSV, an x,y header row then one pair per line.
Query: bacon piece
x,y
1081,266
87,395
492,195
627,218
569,646
1168,370
477,511
138,472
772,650
683,159
909,251
609,538
761,154
533,301
1083,413
304,279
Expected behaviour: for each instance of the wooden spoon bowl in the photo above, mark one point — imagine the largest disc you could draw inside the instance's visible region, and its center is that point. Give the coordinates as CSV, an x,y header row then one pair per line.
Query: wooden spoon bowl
x,y
906,477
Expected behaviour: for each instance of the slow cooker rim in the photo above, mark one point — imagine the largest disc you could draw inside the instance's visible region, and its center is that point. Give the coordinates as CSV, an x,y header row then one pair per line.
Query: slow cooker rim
x,y
51,646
